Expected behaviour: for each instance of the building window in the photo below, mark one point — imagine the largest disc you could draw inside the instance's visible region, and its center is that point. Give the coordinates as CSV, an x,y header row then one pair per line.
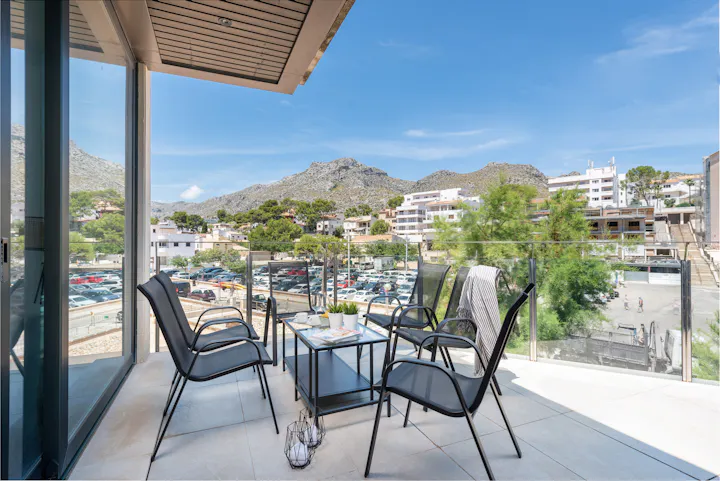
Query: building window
x,y
667,196
595,198
152,244
162,244
175,244
187,244
612,224
595,181
634,223
153,231
667,186
596,190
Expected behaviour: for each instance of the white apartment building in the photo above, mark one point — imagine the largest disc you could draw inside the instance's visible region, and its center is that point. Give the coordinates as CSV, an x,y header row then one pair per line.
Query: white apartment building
x,y
677,190
600,185
416,214
354,226
329,223
167,241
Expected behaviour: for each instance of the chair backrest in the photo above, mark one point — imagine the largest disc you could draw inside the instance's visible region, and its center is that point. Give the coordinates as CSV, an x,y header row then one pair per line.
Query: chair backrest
x,y
165,317
177,307
288,303
499,348
456,293
428,286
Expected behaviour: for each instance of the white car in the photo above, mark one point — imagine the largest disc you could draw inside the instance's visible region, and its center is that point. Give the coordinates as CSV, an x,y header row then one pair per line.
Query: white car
x,y
364,296
347,294
404,298
298,288
79,301
404,290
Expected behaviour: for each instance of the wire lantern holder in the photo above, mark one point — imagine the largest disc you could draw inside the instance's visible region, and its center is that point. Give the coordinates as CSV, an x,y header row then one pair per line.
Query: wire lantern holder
x,y
315,433
298,454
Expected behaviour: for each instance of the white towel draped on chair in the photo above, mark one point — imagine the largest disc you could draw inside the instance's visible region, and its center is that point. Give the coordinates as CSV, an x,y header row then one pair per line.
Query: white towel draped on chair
x,y
479,302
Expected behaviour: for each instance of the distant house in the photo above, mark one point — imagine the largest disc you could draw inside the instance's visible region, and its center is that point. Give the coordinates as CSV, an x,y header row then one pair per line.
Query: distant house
x,y
415,216
329,223
360,225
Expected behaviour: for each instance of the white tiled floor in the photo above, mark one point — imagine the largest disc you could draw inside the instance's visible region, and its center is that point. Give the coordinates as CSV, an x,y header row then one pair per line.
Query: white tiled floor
x,y
571,422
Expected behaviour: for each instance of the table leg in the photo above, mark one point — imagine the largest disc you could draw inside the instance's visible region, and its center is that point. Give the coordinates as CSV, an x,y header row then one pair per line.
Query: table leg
x,y
357,353
372,374
274,340
310,377
296,369
317,385
283,349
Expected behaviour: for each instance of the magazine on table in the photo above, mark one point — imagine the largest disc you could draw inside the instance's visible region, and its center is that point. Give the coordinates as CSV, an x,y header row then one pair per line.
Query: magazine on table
x,y
334,336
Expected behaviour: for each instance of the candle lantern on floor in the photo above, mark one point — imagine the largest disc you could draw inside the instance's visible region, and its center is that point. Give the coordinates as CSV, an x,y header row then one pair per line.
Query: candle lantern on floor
x,y
298,453
315,432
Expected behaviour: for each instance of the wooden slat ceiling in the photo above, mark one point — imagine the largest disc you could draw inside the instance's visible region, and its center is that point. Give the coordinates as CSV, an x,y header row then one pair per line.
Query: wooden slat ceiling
x,y
81,36
250,39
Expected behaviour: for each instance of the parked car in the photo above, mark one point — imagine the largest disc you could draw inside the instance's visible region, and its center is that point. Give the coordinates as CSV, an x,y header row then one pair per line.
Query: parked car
x,y
117,290
182,288
182,275
364,296
206,295
109,284
404,298
259,302
79,301
299,288
347,294
100,295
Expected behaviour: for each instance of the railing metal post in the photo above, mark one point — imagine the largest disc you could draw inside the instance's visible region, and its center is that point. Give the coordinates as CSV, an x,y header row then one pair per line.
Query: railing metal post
x,y
248,286
324,277
686,319
532,277
335,269
157,327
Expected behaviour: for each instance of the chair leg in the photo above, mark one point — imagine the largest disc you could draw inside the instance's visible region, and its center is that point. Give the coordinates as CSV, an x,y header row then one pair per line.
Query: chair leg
x,y
163,429
497,385
269,398
449,359
407,414
173,390
262,387
507,423
483,456
378,414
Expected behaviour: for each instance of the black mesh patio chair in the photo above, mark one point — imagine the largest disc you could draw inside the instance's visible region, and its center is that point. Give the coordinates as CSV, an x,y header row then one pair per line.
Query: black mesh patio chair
x,y
284,304
211,340
426,292
445,391
451,324
240,329
17,321
200,365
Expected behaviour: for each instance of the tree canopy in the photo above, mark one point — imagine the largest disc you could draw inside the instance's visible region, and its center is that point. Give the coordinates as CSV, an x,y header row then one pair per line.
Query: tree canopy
x,y
108,230
644,182
396,201
379,227
360,210
277,236
310,213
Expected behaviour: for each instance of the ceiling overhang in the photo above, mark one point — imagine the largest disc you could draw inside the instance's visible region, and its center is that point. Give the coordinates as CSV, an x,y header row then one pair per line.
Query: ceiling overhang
x,y
264,44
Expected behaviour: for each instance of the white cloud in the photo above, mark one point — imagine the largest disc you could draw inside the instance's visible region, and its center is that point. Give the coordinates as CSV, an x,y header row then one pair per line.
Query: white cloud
x,y
191,193
431,134
666,39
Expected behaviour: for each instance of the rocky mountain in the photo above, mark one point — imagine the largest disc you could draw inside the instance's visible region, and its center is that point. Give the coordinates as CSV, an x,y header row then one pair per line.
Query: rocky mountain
x,y
87,172
349,182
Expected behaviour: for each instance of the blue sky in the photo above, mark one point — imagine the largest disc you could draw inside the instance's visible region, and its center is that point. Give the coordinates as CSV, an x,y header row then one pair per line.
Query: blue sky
x,y
412,89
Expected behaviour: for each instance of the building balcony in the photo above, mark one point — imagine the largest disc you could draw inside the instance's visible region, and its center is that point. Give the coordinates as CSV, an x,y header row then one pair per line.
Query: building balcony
x,y
572,423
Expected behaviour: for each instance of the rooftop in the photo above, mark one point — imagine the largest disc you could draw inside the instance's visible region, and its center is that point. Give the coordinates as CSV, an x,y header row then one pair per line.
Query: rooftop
x,y
573,423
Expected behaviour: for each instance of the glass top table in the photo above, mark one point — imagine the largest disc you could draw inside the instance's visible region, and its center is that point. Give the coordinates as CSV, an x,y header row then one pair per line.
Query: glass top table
x,y
327,382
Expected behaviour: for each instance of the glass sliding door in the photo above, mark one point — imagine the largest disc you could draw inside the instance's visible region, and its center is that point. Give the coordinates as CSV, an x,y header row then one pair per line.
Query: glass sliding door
x,y
66,210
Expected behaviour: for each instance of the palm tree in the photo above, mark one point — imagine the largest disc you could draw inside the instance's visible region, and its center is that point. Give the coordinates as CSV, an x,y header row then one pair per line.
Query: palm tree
x,y
689,183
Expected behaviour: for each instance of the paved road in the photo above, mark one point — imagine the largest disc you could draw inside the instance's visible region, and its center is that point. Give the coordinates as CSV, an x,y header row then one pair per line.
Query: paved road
x,y
661,304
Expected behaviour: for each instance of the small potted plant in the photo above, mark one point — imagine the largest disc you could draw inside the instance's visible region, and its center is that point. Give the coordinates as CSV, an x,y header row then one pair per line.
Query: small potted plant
x,y
350,316
335,315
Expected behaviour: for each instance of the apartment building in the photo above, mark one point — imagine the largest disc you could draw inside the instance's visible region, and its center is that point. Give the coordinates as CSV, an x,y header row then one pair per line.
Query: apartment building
x,y
711,204
354,226
329,223
677,190
416,214
600,185
390,216
167,241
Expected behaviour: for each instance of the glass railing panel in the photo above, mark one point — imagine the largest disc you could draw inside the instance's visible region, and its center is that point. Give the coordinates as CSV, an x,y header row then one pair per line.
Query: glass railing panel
x,y
705,313
612,313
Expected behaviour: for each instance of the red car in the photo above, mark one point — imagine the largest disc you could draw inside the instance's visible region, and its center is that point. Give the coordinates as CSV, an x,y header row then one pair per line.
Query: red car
x,y
343,284
297,272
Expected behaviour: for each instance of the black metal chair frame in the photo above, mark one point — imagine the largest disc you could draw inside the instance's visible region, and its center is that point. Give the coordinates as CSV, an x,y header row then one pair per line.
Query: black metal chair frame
x,y
468,410
185,373
274,315
432,321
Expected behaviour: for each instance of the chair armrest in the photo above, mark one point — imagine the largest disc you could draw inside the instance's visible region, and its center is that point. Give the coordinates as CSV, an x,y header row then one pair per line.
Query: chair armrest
x,y
415,307
219,308
214,322
439,335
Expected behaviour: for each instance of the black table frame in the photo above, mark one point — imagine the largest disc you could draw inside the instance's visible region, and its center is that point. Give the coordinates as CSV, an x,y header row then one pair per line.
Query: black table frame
x,y
307,370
